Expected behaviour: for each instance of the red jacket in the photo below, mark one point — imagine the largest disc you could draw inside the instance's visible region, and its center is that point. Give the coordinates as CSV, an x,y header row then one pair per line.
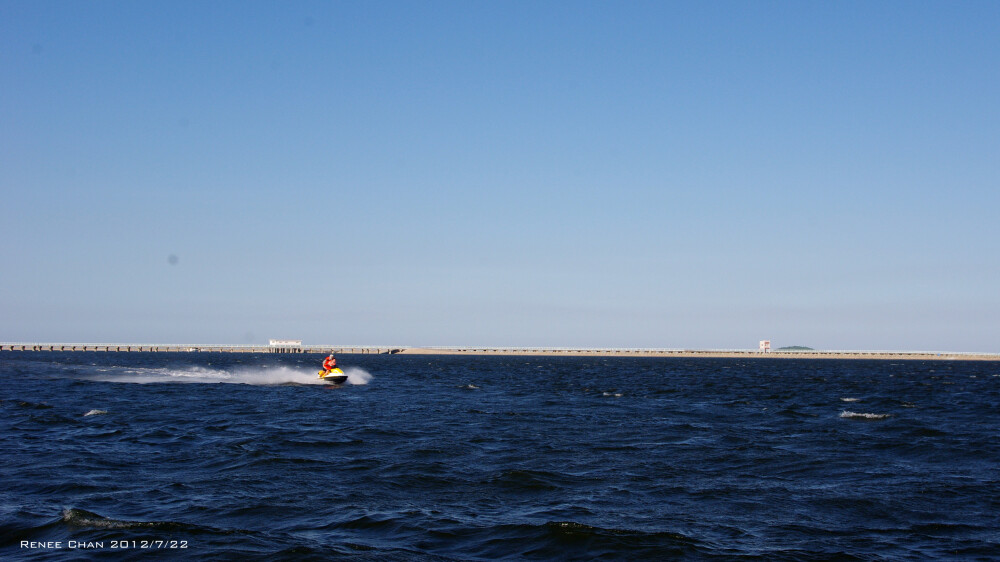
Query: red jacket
x,y
329,363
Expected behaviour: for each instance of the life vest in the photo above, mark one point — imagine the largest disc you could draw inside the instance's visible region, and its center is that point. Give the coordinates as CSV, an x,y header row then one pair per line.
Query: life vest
x,y
329,363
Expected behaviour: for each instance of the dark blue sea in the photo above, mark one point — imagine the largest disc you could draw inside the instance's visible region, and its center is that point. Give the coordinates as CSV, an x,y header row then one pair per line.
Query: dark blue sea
x,y
231,456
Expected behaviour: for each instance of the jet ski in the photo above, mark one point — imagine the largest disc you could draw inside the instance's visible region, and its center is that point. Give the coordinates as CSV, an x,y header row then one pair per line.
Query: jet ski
x,y
333,376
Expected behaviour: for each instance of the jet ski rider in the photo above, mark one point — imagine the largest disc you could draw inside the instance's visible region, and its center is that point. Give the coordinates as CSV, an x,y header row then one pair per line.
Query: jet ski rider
x,y
330,363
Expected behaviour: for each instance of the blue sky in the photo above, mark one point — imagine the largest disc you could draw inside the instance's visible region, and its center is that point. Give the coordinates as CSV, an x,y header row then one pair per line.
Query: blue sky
x,y
640,174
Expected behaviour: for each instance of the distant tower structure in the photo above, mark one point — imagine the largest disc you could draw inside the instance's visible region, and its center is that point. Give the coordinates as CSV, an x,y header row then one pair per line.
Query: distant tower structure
x,y
765,346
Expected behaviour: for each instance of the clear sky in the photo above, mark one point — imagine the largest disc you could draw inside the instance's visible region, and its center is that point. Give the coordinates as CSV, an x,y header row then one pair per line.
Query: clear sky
x,y
531,173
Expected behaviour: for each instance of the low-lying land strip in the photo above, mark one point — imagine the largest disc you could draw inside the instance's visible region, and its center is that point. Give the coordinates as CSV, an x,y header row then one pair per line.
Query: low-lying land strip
x,y
637,352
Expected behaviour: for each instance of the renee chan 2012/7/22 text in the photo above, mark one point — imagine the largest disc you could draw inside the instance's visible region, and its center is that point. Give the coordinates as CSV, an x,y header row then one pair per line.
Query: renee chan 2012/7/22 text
x,y
105,545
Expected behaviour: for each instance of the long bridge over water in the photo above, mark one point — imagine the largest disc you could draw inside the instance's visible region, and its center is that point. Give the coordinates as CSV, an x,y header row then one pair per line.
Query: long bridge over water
x,y
509,351
200,348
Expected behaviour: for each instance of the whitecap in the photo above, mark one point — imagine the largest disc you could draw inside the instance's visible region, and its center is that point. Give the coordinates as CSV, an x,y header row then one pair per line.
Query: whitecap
x,y
95,413
849,399
864,416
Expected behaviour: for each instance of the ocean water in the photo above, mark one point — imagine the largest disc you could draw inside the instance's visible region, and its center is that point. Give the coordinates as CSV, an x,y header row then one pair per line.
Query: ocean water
x,y
223,456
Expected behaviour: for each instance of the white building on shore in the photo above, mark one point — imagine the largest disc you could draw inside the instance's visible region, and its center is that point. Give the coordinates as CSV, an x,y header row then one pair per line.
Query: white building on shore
x,y
285,343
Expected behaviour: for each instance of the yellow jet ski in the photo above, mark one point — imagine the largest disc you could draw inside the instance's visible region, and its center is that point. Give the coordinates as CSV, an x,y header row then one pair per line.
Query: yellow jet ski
x,y
333,376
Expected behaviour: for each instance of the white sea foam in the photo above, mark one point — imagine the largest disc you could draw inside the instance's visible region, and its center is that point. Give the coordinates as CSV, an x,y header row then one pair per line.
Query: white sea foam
x,y
357,375
849,399
856,415
95,413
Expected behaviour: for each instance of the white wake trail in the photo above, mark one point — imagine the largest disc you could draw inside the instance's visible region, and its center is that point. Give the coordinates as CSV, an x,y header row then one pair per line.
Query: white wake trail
x,y
264,376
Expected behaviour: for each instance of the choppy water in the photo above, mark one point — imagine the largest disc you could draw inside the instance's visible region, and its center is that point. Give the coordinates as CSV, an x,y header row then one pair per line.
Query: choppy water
x,y
433,457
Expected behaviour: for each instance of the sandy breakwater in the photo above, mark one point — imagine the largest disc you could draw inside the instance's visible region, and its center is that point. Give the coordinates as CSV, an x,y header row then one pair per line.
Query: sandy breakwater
x,y
557,352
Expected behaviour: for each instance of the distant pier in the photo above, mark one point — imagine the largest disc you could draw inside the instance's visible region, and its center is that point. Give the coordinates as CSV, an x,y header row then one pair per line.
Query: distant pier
x,y
197,348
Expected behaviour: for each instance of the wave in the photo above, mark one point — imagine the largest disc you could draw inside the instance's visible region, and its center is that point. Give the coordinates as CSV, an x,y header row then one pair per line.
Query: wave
x,y
87,519
862,416
84,518
550,540
33,405
573,540
95,413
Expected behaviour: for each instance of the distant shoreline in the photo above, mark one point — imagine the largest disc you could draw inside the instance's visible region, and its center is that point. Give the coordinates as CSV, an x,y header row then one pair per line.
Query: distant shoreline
x,y
883,355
